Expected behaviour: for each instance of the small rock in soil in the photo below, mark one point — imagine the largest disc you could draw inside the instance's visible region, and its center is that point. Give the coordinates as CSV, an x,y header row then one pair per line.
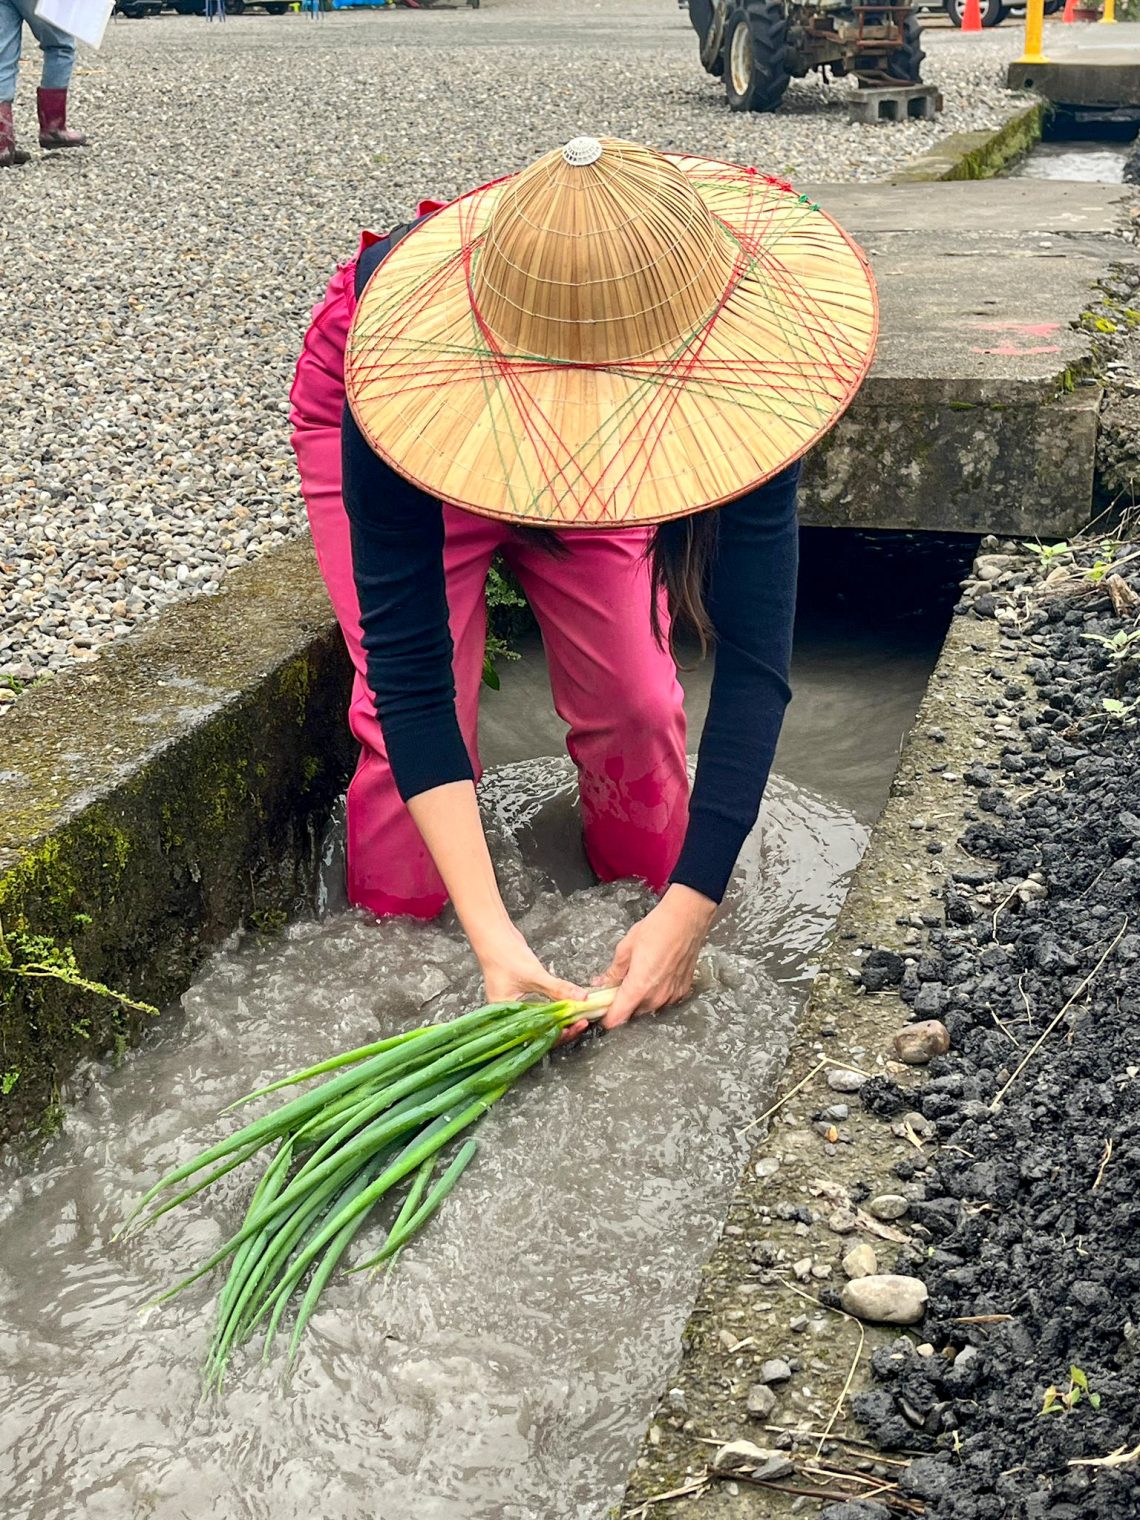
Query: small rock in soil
x,y
861,1261
888,1206
857,1509
766,1465
775,1371
921,1042
925,1478
761,1401
930,999
839,1079
919,1123
987,567
889,1299
881,968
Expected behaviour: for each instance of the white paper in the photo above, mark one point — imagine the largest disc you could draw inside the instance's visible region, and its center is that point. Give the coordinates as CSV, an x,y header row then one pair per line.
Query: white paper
x,y
85,19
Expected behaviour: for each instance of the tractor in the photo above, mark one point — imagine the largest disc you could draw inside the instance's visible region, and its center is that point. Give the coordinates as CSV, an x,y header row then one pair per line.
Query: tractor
x,y
758,46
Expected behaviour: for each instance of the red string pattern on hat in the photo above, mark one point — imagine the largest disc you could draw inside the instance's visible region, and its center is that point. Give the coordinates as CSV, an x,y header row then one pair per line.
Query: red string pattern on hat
x,y
824,365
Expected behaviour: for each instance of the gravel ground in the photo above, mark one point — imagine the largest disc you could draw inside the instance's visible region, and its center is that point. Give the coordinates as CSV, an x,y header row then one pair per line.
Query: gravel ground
x,y
156,286
1029,1214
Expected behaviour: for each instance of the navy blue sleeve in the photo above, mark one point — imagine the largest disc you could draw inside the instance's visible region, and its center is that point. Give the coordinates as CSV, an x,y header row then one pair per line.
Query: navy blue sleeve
x,y
751,599
397,562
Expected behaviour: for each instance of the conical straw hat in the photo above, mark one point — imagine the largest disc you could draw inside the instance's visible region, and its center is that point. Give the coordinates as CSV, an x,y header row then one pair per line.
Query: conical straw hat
x,y
612,336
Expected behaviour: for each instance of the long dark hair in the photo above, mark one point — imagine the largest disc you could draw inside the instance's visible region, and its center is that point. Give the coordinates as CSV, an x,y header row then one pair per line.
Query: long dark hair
x,y
680,557
680,554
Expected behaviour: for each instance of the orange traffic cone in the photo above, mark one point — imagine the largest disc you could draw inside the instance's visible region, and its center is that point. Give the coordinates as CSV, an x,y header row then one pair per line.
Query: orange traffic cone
x,y
1069,16
972,17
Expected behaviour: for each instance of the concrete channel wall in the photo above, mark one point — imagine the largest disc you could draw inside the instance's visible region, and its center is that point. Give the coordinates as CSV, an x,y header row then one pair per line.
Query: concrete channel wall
x,y
153,802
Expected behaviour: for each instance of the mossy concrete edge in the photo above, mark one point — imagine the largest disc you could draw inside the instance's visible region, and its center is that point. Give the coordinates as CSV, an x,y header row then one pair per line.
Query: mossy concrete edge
x,y
749,1292
977,155
155,801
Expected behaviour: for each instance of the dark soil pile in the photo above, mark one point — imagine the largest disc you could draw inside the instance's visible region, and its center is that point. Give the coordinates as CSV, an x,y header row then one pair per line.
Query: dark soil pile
x,y
1031,1213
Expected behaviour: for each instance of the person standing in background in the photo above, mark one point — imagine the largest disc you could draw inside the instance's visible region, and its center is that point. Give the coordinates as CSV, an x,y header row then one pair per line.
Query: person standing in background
x,y
51,98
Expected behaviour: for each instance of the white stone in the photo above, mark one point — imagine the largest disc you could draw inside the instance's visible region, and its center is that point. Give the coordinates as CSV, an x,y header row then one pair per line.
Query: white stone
x,y
762,1461
861,1261
888,1206
887,1299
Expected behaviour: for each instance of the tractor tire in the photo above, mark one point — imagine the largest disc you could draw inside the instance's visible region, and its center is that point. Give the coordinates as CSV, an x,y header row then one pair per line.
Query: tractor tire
x,y
993,12
701,15
757,63
905,63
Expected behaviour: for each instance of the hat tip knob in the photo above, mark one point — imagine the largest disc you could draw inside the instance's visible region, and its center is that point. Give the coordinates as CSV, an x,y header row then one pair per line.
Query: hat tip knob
x,y
580,151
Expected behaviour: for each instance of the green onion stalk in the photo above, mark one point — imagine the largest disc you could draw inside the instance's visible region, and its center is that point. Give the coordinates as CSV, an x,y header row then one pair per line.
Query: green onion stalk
x,y
331,1155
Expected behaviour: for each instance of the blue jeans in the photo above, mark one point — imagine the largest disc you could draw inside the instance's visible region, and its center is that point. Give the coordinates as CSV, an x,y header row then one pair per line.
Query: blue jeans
x,y
58,47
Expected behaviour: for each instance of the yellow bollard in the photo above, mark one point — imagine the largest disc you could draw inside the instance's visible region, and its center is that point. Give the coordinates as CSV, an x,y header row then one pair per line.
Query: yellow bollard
x,y
1034,31
1109,11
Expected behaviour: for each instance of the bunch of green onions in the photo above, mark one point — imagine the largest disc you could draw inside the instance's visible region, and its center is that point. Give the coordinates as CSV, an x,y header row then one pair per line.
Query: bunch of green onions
x,y
338,1149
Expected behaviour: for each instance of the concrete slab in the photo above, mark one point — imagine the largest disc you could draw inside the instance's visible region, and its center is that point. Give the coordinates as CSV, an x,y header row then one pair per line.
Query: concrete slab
x,y
1091,65
974,417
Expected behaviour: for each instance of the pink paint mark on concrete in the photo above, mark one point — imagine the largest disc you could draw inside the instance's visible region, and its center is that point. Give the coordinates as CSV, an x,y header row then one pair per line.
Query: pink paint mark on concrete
x,y
1016,346
1028,329
1011,351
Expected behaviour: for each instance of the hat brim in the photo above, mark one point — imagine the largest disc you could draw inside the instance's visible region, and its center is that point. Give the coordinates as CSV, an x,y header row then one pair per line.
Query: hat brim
x,y
521,437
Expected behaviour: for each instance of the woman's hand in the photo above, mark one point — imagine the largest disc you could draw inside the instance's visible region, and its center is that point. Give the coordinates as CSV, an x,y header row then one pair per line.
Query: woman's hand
x,y
511,970
655,962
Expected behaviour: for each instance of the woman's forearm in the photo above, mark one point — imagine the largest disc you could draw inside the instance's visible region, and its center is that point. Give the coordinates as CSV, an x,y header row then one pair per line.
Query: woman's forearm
x,y
448,819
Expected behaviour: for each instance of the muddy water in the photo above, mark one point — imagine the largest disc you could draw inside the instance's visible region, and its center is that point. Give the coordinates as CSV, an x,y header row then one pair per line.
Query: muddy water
x,y
1092,160
508,1366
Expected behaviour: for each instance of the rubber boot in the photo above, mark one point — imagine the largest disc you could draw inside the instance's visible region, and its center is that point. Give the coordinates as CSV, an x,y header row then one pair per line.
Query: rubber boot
x,y
54,131
9,153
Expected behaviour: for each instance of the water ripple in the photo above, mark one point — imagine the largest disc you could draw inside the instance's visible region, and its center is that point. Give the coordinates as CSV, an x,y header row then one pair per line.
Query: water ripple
x,y
508,1366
